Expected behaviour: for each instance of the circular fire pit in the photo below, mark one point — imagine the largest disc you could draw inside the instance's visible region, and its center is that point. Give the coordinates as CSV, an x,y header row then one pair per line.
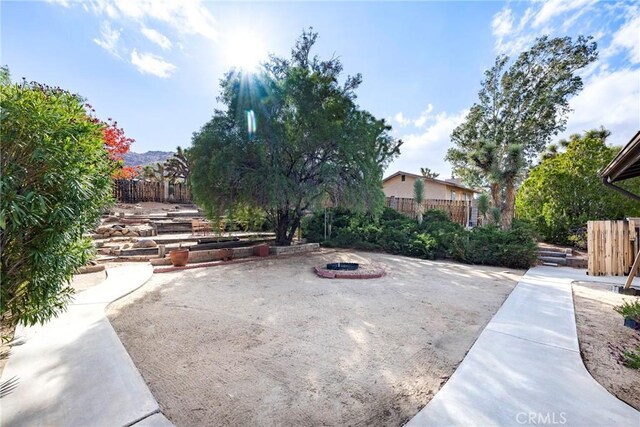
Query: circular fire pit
x,y
349,266
349,270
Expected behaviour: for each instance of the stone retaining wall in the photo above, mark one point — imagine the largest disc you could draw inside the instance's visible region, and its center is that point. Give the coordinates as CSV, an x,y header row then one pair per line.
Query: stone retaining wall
x,y
295,249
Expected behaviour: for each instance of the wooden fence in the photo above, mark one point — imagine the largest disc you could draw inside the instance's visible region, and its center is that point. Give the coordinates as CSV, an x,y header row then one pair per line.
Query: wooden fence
x,y
134,191
612,247
458,210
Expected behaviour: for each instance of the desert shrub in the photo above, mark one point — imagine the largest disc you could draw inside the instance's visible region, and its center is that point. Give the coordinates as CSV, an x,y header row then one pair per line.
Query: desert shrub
x,y
444,231
436,237
629,309
249,218
55,183
491,245
631,359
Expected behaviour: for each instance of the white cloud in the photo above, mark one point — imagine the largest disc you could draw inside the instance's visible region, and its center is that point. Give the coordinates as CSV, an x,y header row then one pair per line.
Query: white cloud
x,y
428,148
148,63
157,37
627,38
400,119
403,121
63,3
553,8
184,16
609,99
109,38
502,23
424,116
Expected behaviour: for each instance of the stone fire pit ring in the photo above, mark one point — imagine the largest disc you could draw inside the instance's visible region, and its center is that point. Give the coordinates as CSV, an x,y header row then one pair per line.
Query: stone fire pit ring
x,y
345,270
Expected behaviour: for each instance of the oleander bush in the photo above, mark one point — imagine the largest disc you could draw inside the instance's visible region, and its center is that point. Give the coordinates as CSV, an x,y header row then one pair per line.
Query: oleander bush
x,y
55,182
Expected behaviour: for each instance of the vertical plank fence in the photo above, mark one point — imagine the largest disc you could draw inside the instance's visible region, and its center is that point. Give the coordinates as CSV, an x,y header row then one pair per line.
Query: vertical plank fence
x,y
135,191
612,247
458,210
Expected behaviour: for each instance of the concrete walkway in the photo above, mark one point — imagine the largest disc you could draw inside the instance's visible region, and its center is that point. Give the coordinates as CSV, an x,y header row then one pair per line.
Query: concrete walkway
x,y
74,371
526,369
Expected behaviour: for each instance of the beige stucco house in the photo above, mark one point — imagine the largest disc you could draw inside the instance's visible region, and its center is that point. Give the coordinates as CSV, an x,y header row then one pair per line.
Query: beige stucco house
x,y
400,185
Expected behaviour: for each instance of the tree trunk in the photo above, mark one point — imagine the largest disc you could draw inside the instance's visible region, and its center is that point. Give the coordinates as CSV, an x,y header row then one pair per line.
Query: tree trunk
x,y
509,205
282,226
496,195
287,223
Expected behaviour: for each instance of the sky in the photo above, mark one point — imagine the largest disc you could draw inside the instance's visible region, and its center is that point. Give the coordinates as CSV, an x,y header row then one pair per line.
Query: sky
x,y
155,65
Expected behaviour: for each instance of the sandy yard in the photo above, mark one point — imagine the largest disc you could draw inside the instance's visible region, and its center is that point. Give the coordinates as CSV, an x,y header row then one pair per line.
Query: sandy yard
x,y
270,343
603,336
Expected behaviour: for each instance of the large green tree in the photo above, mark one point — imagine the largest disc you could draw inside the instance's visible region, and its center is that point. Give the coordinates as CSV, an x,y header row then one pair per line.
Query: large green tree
x,y
56,179
290,136
522,105
565,191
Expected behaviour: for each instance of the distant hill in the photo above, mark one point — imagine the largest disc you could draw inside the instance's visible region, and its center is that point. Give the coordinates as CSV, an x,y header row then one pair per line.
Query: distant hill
x,y
150,157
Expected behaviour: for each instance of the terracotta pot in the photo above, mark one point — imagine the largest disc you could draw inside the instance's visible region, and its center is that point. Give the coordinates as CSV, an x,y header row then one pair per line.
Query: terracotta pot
x,y
261,250
179,257
226,254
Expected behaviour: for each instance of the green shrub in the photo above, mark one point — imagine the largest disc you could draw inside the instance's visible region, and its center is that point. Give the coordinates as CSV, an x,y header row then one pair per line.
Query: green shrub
x,y
436,237
630,309
55,183
491,245
443,230
631,359
565,191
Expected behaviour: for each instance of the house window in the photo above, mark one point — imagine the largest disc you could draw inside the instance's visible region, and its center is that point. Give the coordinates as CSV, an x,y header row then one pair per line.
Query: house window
x,y
453,195
402,178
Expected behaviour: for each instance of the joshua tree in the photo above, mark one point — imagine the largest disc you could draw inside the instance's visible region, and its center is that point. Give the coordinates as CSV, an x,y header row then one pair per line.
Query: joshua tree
x,y
177,168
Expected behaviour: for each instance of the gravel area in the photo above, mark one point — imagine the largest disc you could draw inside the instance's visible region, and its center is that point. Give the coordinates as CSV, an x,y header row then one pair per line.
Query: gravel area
x,y
603,337
271,343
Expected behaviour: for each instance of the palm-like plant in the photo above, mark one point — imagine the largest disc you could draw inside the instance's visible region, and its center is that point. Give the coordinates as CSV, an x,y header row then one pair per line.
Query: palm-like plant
x,y
418,198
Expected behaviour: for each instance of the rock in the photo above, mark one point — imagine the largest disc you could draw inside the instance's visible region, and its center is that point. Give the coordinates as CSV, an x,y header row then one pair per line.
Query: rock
x,y
125,230
133,234
116,233
145,244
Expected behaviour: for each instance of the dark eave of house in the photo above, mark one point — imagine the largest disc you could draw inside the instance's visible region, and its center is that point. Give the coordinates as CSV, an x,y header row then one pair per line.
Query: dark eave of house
x,y
626,164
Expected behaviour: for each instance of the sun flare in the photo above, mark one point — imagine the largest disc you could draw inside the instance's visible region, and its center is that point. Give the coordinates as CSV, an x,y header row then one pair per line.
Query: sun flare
x,y
245,50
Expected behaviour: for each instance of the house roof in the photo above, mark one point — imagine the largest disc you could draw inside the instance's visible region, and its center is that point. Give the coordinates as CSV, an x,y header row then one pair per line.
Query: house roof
x,y
626,164
439,181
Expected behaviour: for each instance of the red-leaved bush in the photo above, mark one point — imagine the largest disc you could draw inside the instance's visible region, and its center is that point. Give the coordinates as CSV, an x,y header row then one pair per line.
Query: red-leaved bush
x,y
117,144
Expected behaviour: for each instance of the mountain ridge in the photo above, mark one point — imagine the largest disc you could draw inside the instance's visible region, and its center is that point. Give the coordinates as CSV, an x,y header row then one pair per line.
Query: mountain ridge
x,y
147,158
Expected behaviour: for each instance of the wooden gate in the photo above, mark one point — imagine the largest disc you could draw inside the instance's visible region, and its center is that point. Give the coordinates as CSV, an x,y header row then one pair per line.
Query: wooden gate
x,y
612,247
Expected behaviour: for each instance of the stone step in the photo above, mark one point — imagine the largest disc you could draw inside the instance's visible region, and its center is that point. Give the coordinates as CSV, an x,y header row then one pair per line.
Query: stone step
x,y
553,259
552,253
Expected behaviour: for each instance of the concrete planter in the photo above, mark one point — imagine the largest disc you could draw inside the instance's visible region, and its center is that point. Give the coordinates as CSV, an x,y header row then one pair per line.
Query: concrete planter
x,y
179,257
632,323
226,254
261,250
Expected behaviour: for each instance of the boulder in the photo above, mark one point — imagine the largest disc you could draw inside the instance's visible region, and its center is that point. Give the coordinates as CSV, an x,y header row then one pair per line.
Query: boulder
x,y
145,244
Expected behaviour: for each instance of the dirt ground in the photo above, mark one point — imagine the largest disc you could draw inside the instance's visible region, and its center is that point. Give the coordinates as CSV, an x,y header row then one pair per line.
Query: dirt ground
x,y
270,343
603,336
